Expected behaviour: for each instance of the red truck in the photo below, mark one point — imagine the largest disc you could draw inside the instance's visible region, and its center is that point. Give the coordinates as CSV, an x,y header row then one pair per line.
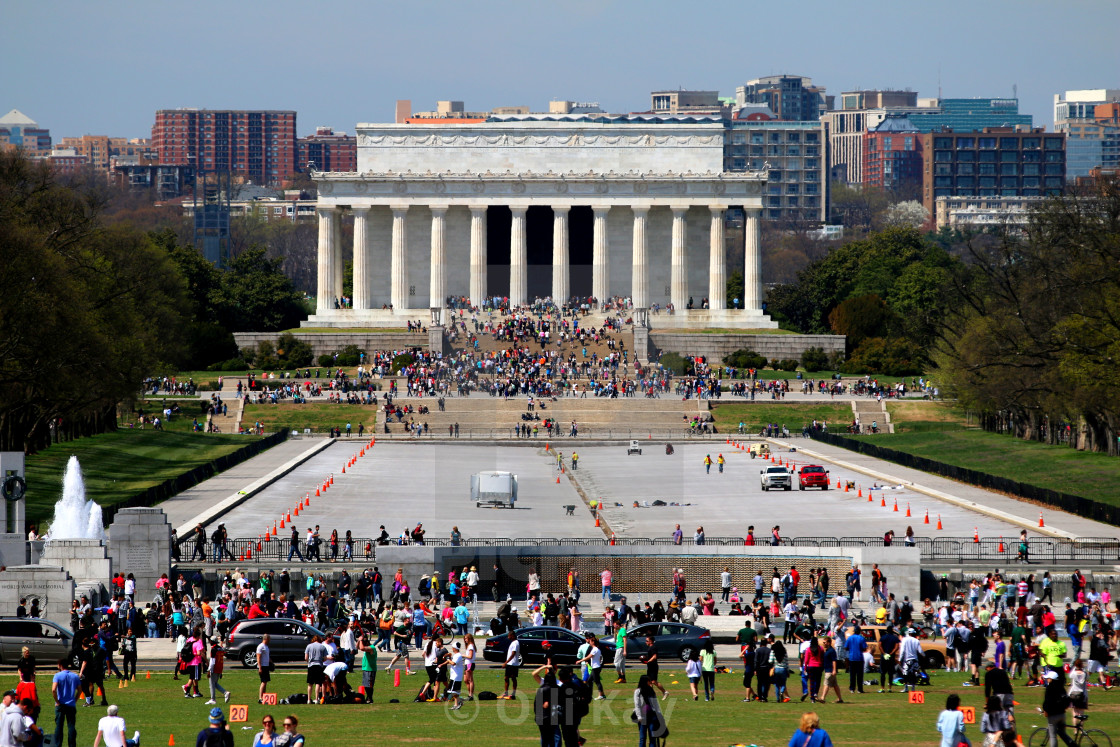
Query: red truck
x,y
812,476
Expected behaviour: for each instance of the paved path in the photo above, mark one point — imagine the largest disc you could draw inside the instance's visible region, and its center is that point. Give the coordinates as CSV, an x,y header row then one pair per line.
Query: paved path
x,y
188,504
1054,518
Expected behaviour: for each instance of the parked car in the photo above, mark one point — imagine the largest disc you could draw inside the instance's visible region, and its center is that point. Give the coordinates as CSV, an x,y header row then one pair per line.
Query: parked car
x,y
759,450
288,639
671,640
47,640
812,476
541,641
933,652
777,478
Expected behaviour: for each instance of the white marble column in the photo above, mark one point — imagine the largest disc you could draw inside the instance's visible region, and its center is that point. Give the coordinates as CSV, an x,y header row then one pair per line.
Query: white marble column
x,y
679,274
752,269
398,295
324,293
436,295
560,266
600,255
336,244
518,259
478,255
717,261
363,272
639,276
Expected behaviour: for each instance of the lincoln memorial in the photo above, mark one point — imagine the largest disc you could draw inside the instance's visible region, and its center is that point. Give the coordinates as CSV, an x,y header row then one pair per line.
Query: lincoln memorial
x,y
535,209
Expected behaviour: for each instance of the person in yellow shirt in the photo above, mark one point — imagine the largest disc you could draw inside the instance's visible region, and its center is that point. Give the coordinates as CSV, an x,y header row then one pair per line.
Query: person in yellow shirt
x,y
881,616
720,460
1053,651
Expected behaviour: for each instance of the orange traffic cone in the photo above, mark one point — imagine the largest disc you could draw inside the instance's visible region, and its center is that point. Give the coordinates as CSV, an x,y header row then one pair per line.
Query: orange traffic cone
x,y
546,447
612,538
1000,544
316,492
171,741
1040,524
396,678
558,479
344,469
331,481
926,520
281,522
907,510
975,534
846,488
859,493
249,553
273,527
289,517
837,483
870,497
596,518
149,675
258,544
939,521
895,506
883,500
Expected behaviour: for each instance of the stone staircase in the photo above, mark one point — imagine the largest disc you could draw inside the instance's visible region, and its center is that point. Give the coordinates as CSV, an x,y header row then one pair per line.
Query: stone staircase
x,y
869,411
487,344
595,417
231,421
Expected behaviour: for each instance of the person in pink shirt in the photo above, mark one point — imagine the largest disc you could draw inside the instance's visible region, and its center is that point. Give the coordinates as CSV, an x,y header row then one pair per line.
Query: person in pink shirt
x,y
606,578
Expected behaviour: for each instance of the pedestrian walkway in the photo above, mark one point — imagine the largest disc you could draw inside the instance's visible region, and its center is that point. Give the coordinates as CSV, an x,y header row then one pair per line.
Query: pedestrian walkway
x,y
207,494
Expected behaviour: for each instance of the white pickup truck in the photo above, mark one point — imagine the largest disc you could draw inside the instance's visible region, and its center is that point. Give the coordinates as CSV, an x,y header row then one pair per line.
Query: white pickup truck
x,y
776,477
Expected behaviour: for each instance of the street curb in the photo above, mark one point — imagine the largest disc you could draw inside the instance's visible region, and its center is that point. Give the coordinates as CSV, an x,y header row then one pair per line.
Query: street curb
x,y
934,493
236,499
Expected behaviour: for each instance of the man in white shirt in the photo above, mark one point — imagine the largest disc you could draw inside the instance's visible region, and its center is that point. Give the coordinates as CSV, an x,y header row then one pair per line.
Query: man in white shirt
x,y
910,654
111,730
513,662
334,675
455,673
688,614
264,665
346,643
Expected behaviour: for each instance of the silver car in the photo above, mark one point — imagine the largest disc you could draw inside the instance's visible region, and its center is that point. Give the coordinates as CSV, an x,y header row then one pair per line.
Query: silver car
x,y
778,478
47,640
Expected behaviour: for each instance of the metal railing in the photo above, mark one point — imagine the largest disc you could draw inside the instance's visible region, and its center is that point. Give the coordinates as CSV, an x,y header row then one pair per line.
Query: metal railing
x,y
997,550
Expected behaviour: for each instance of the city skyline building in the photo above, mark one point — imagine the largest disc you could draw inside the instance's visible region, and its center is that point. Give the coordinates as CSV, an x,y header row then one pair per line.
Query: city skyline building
x,y
259,145
793,98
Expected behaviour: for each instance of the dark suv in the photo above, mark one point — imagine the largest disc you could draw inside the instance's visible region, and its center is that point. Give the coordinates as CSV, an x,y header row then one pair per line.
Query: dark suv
x,y
288,639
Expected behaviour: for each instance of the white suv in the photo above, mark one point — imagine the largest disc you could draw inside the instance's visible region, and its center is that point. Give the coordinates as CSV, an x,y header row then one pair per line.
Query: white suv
x,y
777,478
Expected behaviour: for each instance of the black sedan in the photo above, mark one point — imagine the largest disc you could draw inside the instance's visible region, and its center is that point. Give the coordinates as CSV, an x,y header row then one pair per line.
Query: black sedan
x,y
538,642
670,640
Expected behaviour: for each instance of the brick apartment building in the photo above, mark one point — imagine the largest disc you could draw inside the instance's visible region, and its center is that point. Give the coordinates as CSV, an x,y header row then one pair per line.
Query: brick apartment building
x,y
992,162
259,145
892,154
328,150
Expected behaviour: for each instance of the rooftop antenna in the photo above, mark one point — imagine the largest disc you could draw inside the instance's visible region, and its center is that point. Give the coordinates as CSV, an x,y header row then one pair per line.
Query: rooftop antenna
x,y
1015,91
939,83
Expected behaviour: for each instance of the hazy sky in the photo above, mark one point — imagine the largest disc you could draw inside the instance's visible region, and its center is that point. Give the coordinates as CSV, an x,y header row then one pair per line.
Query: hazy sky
x,y
105,67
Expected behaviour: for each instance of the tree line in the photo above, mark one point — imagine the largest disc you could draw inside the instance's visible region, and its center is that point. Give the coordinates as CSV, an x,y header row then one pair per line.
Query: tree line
x,y
89,307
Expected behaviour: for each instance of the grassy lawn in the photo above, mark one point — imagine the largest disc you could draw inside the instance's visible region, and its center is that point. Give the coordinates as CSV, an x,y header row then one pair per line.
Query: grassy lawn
x,y
158,709
763,411
923,415
318,416
1056,467
120,464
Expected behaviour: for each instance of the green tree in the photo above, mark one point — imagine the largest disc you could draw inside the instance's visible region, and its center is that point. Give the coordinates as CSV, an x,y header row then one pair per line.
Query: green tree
x,y
86,310
256,296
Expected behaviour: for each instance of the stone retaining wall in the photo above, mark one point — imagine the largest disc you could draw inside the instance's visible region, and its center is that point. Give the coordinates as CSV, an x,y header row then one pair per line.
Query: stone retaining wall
x,y
716,347
324,343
